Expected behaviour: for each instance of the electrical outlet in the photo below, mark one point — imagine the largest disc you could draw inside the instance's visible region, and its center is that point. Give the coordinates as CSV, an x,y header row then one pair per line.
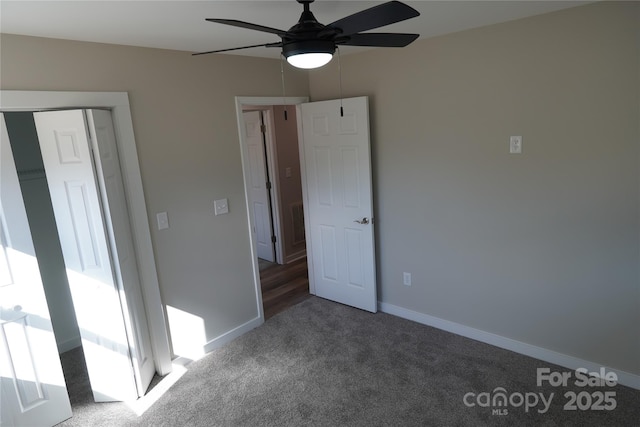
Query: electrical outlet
x,y
515,145
406,279
163,220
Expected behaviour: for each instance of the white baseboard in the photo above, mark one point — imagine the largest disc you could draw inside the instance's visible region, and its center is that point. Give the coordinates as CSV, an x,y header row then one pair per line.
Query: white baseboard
x,y
624,378
232,334
69,344
295,256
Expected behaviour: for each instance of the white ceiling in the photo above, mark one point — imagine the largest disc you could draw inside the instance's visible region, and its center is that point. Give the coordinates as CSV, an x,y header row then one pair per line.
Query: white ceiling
x,y
180,24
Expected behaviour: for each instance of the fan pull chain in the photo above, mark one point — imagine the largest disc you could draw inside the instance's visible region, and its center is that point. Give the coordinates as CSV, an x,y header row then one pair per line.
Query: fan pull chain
x,y
284,97
340,78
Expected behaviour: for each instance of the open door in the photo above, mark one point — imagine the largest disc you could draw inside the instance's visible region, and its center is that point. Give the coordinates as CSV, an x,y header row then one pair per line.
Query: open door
x,y
335,155
260,186
106,294
103,142
32,386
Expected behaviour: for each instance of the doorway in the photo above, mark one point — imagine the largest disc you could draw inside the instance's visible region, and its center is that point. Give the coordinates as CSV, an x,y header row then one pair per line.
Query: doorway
x,y
118,103
338,194
271,167
136,224
88,271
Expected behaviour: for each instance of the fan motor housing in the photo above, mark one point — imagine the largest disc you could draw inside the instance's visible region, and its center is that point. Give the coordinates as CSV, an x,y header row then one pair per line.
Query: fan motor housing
x,y
297,47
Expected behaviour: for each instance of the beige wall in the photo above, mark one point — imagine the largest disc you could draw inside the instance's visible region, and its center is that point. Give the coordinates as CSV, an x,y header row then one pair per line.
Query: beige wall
x,y
184,119
540,247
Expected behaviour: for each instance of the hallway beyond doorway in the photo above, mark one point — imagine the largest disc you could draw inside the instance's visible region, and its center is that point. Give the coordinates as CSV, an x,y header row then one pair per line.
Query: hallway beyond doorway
x,y
283,285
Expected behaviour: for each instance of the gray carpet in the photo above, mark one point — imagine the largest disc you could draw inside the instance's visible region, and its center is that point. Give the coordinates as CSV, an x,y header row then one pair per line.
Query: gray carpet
x,y
325,364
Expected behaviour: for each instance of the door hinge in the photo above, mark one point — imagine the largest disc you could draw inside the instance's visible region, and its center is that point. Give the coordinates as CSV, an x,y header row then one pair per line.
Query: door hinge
x,y
273,239
268,185
263,129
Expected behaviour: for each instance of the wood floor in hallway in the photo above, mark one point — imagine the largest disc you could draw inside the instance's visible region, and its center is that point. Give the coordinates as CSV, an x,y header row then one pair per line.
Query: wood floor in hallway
x,y
284,286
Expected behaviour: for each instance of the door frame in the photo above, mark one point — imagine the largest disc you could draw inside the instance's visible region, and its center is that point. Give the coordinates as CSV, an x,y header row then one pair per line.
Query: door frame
x,y
265,101
118,103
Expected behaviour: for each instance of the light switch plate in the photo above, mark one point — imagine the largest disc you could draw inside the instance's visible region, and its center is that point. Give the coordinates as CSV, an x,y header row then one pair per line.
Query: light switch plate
x,y
163,220
221,206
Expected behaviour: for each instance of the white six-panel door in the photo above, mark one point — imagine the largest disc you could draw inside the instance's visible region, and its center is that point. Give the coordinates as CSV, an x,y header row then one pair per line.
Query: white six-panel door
x,y
32,386
97,297
337,172
258,195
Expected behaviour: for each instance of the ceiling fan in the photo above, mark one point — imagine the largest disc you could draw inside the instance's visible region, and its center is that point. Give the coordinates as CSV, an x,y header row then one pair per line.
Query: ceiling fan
x,y
310,44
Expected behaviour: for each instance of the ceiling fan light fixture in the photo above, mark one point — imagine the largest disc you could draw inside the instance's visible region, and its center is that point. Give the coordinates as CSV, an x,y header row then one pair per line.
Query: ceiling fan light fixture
x,y
309,61
309,54
310,44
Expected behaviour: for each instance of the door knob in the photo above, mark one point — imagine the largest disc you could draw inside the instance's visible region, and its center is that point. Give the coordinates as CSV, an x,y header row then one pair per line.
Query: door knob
x,y
364,220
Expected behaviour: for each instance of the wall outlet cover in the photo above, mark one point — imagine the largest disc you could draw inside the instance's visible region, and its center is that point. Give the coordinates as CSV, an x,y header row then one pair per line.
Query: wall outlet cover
x,y
406,279
163,220
515,145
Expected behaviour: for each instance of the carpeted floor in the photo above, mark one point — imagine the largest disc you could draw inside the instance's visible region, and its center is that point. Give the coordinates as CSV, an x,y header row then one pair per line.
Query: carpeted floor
x,y
325,364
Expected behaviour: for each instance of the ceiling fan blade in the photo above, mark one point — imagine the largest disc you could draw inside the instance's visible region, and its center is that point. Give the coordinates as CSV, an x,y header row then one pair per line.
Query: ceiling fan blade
x,y
379,39
276,44
374,17
248,25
